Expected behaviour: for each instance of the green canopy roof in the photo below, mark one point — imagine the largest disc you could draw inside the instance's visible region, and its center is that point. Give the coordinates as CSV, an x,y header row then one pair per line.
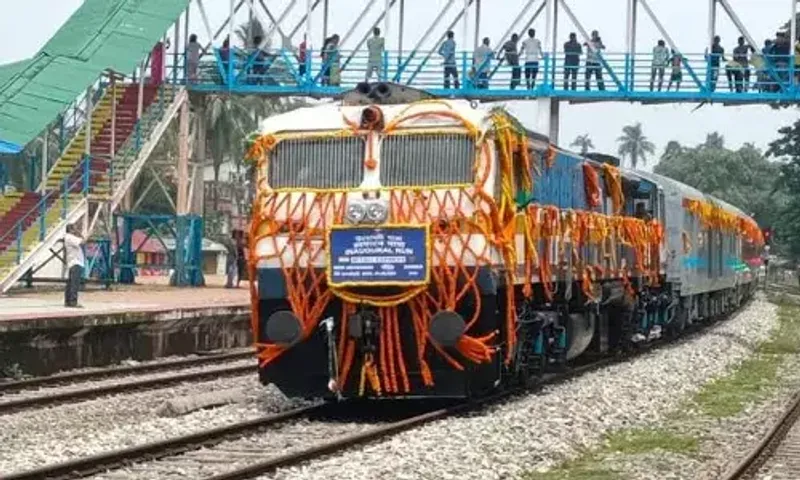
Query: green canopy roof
x,y
100,35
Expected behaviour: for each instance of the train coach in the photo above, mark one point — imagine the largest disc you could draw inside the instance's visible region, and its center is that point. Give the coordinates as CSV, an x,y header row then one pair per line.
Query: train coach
x,y
405,246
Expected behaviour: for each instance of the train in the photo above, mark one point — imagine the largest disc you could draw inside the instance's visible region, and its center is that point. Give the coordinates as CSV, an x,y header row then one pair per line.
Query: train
x,y
404,246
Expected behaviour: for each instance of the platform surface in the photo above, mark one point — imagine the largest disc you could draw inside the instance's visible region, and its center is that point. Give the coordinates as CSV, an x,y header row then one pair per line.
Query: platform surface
x,y
49,303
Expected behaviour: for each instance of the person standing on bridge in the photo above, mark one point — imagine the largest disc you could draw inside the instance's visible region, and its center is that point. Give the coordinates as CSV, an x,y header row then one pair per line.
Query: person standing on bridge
x,y
572,61
511,56
532,48
331,74
594,61
660,59
741,57
375,47
448,52
73,255
714,59
482,63
676,61
192,58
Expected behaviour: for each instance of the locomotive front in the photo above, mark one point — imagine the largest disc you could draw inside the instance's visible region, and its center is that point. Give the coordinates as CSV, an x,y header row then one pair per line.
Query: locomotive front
x,y
379,251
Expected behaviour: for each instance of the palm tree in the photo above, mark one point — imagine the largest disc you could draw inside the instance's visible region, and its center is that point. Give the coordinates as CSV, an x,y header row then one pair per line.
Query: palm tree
x,y
246,32
583,142
634,145
229,119
714,140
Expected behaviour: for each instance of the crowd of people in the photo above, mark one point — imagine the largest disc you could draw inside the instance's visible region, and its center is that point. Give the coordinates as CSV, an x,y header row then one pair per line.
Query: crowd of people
x,y
523,57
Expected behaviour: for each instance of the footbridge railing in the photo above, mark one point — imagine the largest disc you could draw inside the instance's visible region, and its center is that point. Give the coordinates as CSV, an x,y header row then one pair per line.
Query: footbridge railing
x,y
610,76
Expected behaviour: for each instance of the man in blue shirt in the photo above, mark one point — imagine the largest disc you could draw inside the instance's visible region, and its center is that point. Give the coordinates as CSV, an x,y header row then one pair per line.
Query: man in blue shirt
x,y
448,52
572,60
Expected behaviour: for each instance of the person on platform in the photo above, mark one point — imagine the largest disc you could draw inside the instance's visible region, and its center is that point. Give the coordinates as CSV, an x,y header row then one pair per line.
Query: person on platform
x,y
375,47
447,50
676,75
482,63
231,263
241,257
192,58
594,48
659,64
572,62
157,62
532,48
510,54
74,258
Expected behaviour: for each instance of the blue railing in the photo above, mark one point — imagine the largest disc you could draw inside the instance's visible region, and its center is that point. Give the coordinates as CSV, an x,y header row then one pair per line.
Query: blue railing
x,y
39,211
613,76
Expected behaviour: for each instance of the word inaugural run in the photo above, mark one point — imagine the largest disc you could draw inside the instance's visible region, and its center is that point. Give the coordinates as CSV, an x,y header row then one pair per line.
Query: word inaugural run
x,y
377,253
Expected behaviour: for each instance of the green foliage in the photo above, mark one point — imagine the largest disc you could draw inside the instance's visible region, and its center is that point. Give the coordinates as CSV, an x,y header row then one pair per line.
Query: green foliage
x,y
787,148
743,177
583,142
634,145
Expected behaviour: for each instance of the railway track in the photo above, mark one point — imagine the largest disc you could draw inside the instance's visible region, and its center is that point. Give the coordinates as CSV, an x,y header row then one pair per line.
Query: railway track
x,y
16,396
213,450
237,451
779,449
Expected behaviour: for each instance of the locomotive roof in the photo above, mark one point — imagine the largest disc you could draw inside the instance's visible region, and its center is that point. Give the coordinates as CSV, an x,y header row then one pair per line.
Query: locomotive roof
x,y
329,116
688,192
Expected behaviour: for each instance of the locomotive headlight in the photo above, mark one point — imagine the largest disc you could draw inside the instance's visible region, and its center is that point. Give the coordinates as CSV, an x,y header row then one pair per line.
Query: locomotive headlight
x,y
355,212
377,212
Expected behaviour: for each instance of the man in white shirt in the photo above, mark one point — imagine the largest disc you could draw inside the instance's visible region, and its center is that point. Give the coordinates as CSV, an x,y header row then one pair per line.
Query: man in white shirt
x,y
73,253
482,63
660,59
532,48
192,58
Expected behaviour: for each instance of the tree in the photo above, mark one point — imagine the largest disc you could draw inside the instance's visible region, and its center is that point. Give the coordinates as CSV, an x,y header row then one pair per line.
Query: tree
x,y
787,148
714,140
672,150
634,145
583,142
744,178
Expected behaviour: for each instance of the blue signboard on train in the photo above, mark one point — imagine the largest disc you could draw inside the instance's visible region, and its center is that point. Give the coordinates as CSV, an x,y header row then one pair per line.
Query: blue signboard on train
x,y
378,256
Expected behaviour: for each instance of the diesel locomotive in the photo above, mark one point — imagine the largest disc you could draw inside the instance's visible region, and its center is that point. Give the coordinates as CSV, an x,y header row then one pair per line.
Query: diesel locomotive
x,y
404,246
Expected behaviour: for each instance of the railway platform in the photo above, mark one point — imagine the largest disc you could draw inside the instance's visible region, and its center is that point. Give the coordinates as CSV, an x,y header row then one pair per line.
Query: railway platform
x,y
38,335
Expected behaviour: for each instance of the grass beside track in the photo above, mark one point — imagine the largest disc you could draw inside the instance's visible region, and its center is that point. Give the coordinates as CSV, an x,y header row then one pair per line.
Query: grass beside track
x,y
750,381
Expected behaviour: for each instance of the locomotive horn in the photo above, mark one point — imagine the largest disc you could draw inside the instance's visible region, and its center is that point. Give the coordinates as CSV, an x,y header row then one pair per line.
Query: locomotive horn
x,y
446,327
363,88
284,328
381,91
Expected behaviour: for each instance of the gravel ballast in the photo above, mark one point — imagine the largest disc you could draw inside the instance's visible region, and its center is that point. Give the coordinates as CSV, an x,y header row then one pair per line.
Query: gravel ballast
x,y
541,430
34,438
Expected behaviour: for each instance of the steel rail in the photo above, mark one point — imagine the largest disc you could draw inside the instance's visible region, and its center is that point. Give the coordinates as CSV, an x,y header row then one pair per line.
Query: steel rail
x,y
92,392
70,377
769,443
92,464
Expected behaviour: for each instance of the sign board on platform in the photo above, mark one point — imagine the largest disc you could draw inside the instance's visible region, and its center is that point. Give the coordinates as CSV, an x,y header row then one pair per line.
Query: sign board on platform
x,y
378,256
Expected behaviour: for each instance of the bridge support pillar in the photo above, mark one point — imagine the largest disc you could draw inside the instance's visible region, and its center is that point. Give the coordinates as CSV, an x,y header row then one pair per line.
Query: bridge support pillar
x,y
548,121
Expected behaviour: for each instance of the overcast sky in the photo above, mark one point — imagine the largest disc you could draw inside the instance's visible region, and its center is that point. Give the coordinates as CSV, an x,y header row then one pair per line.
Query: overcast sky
x,y
26,25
